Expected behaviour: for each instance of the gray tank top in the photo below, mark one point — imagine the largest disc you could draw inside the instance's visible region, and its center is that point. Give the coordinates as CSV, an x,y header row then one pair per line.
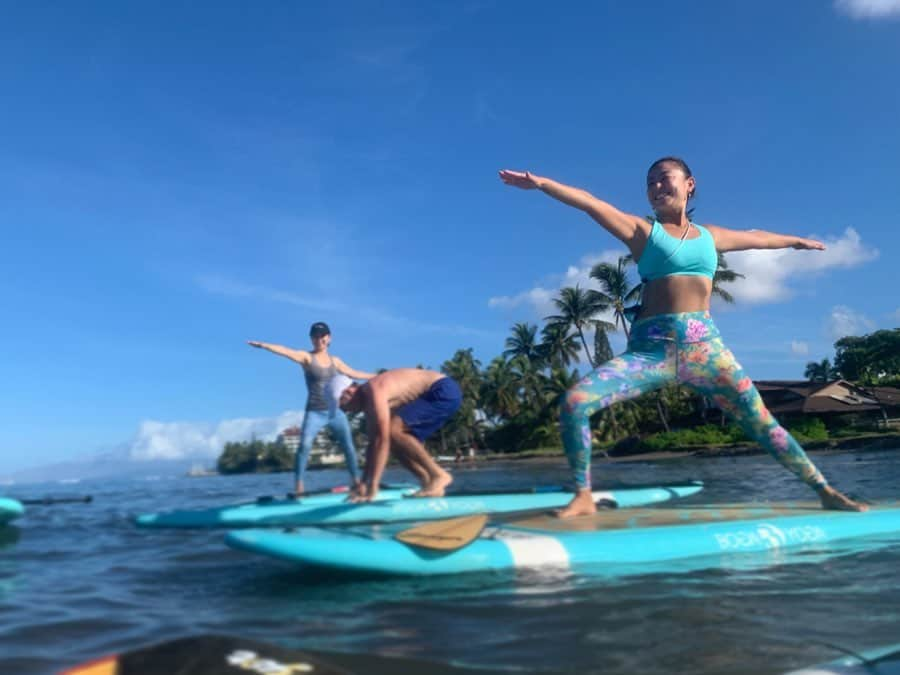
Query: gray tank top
x,y
316,379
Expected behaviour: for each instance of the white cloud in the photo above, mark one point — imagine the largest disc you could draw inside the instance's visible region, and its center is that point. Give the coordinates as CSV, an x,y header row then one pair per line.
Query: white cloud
x,y
540,298
799,348
768,273
185,440
868,9
896,315
844,321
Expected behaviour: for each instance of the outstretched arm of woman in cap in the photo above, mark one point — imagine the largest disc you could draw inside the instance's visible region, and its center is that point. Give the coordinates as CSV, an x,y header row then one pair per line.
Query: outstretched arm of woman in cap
x,y
344,369
625,227
744,240
297,355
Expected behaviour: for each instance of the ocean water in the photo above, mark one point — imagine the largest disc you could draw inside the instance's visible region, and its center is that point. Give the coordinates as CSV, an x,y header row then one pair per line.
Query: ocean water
x,y
78,581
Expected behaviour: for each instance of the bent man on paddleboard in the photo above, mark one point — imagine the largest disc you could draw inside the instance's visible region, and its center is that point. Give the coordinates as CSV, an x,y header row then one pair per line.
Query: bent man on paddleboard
x,y
403,407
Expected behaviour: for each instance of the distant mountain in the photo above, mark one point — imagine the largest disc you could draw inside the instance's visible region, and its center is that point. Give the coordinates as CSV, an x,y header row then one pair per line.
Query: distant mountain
x,y
161,449
110,464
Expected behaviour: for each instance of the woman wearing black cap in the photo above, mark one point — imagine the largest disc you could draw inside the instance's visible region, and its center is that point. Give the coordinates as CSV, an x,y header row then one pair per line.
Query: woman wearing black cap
x,y
320,369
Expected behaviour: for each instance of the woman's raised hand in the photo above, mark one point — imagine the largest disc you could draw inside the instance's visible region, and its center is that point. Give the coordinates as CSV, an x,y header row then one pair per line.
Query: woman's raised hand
x,y
808,245
520,179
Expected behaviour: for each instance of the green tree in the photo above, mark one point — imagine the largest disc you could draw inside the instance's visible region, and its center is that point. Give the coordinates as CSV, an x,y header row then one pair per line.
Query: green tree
x,y
869,359
465,369
724,275
558,348
500,390
615,291
559,382
602,349
523,342
529,380
237,458
577,308
819,371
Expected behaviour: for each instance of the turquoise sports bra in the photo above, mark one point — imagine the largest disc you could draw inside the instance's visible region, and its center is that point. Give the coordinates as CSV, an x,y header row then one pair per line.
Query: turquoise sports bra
x,y
665,255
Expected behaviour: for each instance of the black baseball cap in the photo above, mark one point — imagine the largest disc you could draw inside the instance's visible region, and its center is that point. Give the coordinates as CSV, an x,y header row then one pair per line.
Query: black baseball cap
x,y
318,329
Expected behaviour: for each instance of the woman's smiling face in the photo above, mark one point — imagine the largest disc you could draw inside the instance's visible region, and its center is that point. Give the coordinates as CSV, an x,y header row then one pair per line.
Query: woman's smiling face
x,y
669,187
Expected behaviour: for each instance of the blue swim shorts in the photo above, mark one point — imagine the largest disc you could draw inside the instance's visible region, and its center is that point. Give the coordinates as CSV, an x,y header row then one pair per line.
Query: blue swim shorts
x,y
431,410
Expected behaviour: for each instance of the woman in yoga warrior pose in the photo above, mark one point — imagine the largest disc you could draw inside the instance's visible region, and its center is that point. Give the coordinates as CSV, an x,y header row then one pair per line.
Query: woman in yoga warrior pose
x,y
320,370
673,338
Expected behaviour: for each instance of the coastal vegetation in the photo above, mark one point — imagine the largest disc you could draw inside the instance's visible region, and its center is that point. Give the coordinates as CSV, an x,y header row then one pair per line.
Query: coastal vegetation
x,y
511,405
255,456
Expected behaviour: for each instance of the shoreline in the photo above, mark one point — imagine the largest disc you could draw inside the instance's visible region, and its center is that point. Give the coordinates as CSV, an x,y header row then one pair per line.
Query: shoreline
x,y
865,442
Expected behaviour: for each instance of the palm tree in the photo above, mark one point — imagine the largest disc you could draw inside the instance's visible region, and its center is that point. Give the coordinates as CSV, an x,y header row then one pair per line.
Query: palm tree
x,y
530,381
577,308
544,421
465,369
602,350
500,389
615,291
523,342
819,372
724,275
558,348
559,382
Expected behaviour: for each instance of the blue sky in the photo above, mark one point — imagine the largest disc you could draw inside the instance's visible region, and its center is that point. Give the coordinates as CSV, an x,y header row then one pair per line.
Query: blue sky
x,y
179,178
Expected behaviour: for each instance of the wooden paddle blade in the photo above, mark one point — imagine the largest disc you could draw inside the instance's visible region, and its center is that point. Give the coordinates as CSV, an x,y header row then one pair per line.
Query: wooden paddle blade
x,y
105,666
444,535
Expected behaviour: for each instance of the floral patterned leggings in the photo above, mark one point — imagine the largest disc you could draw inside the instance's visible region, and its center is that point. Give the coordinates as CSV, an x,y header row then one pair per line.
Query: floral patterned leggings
x,y
684,348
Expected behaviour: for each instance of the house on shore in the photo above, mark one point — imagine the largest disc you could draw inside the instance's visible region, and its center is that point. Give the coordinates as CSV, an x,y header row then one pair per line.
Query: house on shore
x,y
793,399
323,451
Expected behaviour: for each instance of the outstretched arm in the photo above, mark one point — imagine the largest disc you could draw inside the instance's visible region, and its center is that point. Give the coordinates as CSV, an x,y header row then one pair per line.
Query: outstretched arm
x,y
623,226
297,355
743,240
344,369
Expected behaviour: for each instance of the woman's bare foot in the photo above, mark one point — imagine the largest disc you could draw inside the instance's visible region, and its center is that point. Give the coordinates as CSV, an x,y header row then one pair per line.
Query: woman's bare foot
x,y
436,486
582,504
836,501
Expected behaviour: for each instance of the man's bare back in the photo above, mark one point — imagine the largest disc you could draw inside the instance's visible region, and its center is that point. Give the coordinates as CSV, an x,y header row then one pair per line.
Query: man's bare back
x,y
403,385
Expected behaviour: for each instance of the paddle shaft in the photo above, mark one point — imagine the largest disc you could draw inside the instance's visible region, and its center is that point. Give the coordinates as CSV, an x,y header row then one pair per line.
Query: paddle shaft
x,y
46,501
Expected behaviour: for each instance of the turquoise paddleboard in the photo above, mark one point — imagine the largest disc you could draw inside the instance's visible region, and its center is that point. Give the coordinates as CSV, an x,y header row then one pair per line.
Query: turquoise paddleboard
x,y
630,540
878,661
260,511
10,509
396,505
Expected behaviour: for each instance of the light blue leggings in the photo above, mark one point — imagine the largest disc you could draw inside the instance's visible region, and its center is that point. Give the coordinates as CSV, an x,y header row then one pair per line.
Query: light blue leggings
x,y
683,348
313,423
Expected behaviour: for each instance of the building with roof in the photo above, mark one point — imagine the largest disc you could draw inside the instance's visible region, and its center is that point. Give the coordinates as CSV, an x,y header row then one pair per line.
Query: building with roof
x,y
323,451
795,398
